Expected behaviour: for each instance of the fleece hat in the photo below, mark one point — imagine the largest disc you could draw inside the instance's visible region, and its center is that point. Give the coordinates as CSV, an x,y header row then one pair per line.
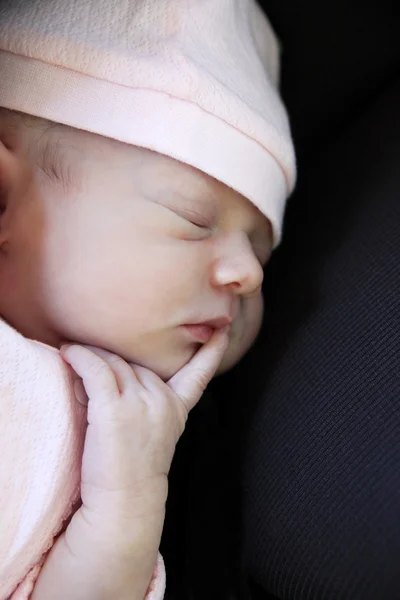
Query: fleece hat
x,y
195,80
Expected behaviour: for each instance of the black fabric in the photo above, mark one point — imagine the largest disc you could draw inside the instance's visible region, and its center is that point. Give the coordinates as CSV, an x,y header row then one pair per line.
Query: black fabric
x,y
286,484
200,544
317,402
336,56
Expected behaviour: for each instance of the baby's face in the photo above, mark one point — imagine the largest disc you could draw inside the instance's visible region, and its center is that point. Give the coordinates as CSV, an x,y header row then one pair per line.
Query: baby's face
x,y
136,253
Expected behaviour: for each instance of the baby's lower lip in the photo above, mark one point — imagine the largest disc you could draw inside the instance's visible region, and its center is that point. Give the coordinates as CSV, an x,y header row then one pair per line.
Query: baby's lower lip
x,y
201,333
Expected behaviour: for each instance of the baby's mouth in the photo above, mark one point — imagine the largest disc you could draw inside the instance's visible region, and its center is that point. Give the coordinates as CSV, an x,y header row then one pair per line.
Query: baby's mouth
x,y
203,332
200,333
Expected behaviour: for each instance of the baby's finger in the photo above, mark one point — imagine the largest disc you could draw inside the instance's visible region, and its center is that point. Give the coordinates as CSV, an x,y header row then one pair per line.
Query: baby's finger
x,y
98,379
191,381
147,379
124,374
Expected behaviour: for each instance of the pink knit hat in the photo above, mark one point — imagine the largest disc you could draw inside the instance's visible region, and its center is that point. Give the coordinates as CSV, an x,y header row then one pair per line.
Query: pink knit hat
x,y
193,79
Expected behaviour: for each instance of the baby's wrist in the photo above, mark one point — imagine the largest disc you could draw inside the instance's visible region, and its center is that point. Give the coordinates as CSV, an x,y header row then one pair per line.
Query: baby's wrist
x,y
124,528
142,499
92,574
120,553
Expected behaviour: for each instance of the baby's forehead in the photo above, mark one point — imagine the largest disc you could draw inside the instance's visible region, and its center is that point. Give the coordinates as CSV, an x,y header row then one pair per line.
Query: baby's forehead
x,y
152,172
163,174
66,152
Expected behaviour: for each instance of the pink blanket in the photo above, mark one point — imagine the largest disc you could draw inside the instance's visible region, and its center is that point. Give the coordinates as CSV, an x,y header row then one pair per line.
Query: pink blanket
x,y
41,442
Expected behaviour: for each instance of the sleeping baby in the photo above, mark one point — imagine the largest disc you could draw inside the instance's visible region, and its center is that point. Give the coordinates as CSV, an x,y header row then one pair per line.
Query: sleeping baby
x,y
145,162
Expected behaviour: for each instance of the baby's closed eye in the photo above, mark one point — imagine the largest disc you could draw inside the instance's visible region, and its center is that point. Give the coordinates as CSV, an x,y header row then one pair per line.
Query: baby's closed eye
x,y
188,223
196,218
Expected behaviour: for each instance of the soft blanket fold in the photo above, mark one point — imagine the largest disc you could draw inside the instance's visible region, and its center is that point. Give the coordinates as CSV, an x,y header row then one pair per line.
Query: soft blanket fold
x,y
42,430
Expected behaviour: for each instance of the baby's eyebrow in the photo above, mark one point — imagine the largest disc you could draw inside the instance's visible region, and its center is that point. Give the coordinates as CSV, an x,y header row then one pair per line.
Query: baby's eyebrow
x,y
54,158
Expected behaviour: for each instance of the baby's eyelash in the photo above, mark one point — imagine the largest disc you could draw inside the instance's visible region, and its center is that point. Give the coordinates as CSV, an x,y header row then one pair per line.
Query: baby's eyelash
x,y
200,225
198,219
195,218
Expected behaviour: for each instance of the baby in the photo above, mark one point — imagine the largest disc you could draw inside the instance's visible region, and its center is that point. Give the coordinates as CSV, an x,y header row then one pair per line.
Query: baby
x,y
145,161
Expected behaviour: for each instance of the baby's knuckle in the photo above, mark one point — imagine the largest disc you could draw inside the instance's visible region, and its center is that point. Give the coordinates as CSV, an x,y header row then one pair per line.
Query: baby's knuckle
x,y
99,369
115,360
145,396
201,378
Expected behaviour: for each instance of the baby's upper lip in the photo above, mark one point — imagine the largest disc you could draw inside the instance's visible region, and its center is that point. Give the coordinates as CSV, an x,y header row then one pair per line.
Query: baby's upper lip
x,y
217,322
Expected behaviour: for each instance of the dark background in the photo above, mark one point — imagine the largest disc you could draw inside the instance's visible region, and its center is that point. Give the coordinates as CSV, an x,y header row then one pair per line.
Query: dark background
x,y
286,483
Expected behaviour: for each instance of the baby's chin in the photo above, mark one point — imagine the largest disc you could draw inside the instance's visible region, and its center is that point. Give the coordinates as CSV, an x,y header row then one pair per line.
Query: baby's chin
x,y
166,366
167,369
243,335
165,355
233,355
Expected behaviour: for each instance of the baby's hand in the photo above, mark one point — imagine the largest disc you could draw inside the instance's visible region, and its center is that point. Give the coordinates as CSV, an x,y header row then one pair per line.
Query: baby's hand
x,y
109,549
134,423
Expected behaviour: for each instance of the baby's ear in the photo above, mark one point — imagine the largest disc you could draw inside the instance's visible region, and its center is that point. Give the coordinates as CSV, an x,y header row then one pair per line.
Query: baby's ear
x,y
12,173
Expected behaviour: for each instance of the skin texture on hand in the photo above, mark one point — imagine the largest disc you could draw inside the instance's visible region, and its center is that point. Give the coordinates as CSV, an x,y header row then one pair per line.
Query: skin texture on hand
x,y
110,548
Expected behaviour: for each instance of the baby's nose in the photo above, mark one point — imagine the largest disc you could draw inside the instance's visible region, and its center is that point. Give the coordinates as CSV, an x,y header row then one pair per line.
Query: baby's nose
x,y
238,268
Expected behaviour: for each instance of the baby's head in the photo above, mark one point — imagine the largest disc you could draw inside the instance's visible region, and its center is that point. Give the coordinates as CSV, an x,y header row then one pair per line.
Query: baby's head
x,y
143,222
108,244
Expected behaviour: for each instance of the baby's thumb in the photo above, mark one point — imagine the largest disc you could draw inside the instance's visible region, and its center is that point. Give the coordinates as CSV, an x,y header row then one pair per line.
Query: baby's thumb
x,y
191,381
97,380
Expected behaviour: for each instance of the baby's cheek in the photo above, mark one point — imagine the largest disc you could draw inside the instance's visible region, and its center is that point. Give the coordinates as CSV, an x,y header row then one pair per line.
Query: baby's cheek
x,y
244,332
258,314
253,311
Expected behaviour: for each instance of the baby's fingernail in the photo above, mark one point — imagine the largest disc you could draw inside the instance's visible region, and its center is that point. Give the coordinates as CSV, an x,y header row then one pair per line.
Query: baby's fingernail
x,y
64,348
